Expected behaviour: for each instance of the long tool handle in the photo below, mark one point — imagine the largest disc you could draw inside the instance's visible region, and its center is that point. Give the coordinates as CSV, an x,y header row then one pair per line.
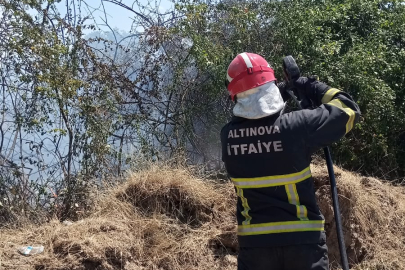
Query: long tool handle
x,y
336,209
335,198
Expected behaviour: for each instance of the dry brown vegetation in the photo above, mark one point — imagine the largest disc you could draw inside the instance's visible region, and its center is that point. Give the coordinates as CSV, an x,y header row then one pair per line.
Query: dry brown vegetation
x,y
164,218
373,215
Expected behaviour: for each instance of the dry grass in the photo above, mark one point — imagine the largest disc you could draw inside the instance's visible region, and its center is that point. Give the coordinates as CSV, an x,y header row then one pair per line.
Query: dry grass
x,y
373,216
164,218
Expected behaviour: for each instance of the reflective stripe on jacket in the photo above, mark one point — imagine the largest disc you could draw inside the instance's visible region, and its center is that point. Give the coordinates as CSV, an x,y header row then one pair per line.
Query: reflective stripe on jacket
x,y
268,161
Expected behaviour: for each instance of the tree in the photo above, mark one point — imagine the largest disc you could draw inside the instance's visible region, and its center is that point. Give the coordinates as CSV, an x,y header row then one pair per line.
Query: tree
x,y
354,45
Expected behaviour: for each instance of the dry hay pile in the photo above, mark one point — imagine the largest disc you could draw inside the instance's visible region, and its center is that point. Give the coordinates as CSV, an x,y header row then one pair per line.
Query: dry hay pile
x,y
159,219
167,219
373,216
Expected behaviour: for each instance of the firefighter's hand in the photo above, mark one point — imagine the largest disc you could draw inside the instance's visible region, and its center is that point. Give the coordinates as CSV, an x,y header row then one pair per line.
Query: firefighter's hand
x,y
310,88
282,86
303,85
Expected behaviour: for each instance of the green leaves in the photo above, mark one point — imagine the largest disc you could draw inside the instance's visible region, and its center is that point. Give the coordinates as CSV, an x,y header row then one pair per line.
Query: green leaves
x,y
358,46
353,48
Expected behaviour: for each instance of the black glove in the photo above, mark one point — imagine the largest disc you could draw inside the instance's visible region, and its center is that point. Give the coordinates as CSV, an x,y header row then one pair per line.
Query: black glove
x,y
310,89
282,86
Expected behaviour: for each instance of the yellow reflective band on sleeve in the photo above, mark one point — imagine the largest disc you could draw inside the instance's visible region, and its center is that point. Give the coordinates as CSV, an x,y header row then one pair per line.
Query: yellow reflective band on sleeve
x,y
329,95
281,227
339,104
272,181
294,199
246,207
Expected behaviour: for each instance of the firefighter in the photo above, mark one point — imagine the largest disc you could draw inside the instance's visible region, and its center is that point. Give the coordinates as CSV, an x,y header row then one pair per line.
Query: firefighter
x,y
267,155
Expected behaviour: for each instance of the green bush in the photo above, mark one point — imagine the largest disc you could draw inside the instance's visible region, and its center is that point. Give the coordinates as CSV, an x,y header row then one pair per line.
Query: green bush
x,y
358,46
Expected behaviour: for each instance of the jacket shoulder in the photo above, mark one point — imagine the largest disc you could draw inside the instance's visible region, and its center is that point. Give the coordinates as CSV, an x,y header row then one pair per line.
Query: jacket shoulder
x,y
225,129
292,121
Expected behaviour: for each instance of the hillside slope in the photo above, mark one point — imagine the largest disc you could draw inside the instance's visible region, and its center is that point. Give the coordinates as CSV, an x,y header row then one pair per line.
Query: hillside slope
x,y
165,218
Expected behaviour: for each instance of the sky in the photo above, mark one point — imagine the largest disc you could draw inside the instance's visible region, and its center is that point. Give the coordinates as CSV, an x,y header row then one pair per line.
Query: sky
x,y
118,17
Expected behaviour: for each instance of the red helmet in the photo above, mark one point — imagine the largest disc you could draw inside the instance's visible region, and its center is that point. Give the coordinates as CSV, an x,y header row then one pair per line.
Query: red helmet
x,y
247,71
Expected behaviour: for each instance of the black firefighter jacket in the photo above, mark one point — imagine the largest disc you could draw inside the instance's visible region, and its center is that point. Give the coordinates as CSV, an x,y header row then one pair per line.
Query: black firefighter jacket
x,y
268,161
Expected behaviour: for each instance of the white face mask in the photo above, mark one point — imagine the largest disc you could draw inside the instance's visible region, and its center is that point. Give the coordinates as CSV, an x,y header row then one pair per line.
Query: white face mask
x,y
259,102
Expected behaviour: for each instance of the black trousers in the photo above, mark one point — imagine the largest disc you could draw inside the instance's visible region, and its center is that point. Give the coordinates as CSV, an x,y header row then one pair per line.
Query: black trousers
x,y
297,257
